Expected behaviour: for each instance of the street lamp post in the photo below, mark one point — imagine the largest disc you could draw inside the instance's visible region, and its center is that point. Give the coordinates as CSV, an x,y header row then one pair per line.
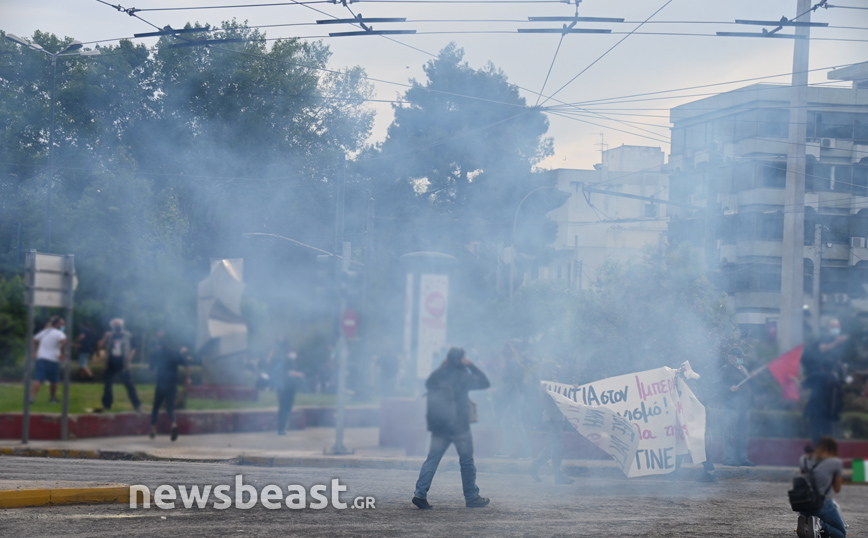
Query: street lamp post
x,y
70,50
514,222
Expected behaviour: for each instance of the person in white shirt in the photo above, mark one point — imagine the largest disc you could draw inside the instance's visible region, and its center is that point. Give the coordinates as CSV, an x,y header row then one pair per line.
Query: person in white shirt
x,y
49,348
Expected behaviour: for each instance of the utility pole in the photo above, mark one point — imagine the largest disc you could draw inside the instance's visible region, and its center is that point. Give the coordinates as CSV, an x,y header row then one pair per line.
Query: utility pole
x,y
815,288
790,323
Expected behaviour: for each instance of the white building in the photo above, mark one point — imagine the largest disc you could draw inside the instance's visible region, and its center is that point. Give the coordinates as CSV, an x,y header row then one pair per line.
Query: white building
x,y
618,224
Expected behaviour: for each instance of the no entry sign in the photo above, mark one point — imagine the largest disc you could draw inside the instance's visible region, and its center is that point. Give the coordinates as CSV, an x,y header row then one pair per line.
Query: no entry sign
x,y
349,323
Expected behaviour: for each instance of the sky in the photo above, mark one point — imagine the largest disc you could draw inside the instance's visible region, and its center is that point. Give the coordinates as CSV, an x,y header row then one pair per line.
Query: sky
x,y
586,67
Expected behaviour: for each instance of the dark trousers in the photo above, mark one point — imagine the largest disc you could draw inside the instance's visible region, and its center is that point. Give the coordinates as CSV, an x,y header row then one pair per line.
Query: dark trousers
x,y
554,447
116,366
165,392
285,399
821,427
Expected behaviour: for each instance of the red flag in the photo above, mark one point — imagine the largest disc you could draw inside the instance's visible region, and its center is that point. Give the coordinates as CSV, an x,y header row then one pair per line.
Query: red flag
x,y
786,370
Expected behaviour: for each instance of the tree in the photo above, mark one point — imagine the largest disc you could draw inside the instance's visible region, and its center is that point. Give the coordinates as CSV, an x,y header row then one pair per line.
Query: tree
x,y
460,154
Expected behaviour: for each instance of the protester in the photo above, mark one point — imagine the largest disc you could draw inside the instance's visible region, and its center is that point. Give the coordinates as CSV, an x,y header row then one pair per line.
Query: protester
x,y
119,356
553,424
49,348
166,360
285,378
448,421
86,346
512,400
825,402
735,401
828,351
826,468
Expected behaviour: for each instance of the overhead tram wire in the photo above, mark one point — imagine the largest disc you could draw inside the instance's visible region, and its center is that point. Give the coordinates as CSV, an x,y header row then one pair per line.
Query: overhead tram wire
x,y
607,52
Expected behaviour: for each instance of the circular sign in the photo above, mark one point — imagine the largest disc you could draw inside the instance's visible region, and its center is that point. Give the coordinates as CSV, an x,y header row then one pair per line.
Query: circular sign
x,y
349,323
435,304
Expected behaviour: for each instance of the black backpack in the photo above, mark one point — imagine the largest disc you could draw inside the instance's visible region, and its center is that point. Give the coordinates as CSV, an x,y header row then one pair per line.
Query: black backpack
x,y
442,408
804,496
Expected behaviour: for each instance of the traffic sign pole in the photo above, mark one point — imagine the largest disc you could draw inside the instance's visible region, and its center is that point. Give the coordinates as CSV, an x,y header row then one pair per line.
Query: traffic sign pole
x,y
69,274
29,272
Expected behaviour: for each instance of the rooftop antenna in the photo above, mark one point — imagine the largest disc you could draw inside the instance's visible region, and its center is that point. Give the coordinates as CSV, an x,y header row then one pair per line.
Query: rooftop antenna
x,y
603,145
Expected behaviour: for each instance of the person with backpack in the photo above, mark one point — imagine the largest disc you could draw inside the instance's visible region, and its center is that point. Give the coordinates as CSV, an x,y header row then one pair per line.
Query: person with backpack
x,y
448,417
821,474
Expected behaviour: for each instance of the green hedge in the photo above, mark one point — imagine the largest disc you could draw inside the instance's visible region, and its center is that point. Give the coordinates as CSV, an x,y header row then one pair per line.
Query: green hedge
x,y
791,424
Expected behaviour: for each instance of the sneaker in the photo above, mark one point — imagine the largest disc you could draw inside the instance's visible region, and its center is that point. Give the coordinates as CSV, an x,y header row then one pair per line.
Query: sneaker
x,y
747,463
174,432
53,401
422,504
809,527
152,435
802,527
706,477
561,478
478,502
817,528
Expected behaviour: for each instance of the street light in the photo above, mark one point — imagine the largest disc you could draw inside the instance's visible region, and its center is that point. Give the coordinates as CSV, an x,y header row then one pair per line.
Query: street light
x,y
70,50
514,222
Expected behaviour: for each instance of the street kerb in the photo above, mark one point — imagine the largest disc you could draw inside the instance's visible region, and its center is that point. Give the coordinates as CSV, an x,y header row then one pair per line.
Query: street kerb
x,y
22,498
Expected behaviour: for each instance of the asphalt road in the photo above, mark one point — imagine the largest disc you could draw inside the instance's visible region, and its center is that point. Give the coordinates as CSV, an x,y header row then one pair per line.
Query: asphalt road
x,y
519,507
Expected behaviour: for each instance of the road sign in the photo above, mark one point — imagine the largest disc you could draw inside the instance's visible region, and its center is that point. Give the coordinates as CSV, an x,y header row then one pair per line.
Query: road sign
x,y
51,280
349,323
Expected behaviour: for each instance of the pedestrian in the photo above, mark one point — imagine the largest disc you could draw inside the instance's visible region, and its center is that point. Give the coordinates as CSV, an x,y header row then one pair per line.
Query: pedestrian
x,y
448,418
119,355
826,469
829,350
87,342
49,348
512,404
285,379
735,400
825,402
166,359
553,425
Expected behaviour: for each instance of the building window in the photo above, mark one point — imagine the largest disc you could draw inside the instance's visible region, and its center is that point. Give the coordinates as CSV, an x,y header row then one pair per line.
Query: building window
x,y
835,125
771,227
769,278
836,229
774,122
843,178
774,174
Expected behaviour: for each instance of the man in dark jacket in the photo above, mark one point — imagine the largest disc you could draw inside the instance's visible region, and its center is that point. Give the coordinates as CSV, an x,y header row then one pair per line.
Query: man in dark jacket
x,y
166,359
734,399
455,378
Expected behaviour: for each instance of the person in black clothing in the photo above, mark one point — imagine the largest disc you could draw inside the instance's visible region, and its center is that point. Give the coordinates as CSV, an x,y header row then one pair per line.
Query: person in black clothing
x,y
824,405
285,378
86,347
828,352
120,351
456,376
735,401
166,361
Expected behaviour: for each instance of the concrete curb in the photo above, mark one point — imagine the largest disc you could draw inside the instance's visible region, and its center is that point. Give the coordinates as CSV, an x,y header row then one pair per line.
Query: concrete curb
x,y
578,468
23,498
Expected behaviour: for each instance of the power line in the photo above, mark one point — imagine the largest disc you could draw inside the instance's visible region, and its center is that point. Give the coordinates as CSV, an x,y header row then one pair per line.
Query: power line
x,y
607,52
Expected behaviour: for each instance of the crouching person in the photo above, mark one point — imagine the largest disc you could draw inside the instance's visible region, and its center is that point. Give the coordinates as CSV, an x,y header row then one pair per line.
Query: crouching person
x,y
825,468
448,418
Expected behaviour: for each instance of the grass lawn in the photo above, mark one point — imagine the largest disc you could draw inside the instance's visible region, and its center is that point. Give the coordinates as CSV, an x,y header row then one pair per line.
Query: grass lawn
x,y
85,397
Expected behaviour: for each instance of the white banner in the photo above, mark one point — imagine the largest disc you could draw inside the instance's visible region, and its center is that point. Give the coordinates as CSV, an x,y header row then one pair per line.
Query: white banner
x,y
433,306
665,418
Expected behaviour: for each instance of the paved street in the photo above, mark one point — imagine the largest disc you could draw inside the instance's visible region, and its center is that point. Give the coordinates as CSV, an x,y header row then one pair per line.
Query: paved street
x,y
520,507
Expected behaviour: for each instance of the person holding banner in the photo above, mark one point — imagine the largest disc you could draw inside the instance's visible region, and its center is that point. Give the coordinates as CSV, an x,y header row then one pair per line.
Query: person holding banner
x,y
553,424
735,401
